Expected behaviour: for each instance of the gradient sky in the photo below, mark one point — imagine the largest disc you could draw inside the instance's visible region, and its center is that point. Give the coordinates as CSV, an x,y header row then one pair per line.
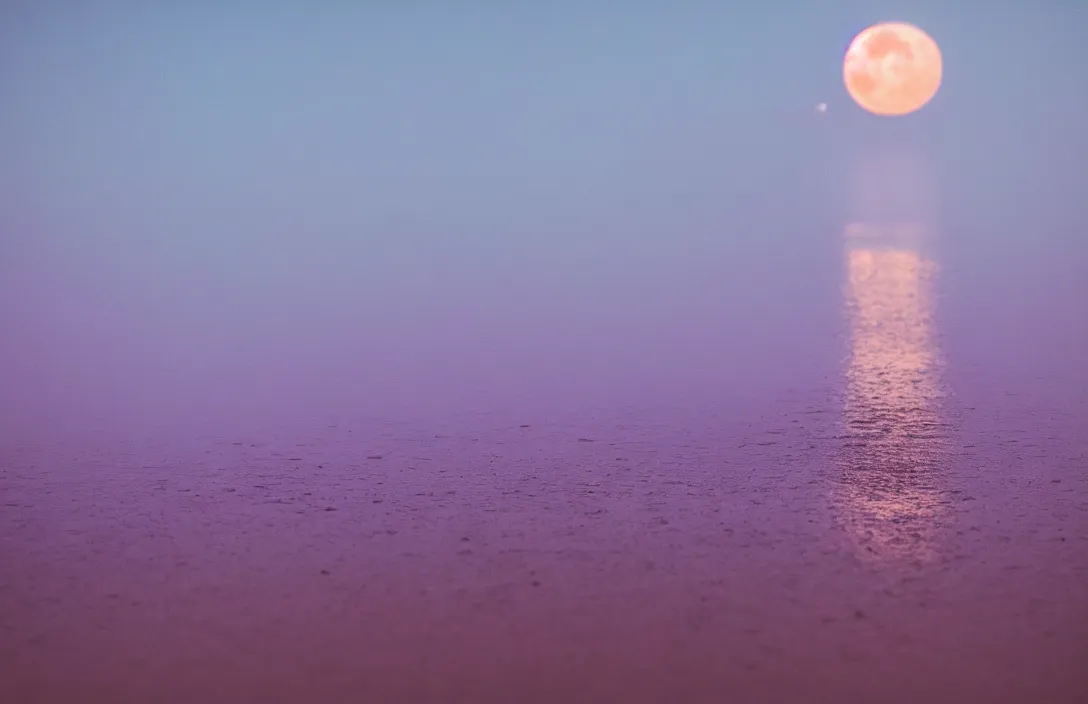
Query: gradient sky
x,y
202,206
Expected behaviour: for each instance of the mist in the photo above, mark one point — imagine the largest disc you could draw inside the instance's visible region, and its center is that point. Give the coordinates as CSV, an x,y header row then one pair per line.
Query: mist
x,y
256,210
360,353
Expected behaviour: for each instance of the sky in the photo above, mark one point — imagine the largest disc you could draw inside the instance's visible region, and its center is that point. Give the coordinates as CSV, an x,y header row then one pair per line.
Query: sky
x,y
237,209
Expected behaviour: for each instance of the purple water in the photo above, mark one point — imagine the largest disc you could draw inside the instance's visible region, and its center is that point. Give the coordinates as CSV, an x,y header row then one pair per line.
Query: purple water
x,y
854,472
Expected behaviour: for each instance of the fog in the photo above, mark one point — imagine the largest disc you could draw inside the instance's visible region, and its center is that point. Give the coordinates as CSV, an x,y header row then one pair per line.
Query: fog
x,y
563,354
287,213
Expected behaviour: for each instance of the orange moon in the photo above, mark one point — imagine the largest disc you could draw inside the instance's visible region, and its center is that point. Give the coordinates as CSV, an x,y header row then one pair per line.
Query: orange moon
x,y
892,69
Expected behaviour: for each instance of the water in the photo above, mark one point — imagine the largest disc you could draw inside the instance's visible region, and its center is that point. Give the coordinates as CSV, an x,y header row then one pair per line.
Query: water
x,y
856,471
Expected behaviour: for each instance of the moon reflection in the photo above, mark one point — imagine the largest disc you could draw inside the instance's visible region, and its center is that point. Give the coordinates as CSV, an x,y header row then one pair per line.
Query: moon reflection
x,y
891,490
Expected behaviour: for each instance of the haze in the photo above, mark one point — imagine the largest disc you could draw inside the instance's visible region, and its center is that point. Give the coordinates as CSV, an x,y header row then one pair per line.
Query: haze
x,y
224,225
288,209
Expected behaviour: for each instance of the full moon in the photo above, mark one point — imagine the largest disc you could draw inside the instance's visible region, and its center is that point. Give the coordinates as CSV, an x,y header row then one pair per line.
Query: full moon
x,y
892,69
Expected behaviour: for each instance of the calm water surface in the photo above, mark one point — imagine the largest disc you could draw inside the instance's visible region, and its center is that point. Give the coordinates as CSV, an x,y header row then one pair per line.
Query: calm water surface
x,y
845,462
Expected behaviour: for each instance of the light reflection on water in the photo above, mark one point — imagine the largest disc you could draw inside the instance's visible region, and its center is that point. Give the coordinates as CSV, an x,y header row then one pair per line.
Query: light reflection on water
x,y
894,434
894,437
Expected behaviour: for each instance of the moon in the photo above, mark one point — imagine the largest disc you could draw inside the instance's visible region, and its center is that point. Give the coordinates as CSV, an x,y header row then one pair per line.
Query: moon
x,y
892,69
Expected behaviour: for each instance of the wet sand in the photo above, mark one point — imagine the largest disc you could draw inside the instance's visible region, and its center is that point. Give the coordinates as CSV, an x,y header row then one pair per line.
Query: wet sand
x,y
636,555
